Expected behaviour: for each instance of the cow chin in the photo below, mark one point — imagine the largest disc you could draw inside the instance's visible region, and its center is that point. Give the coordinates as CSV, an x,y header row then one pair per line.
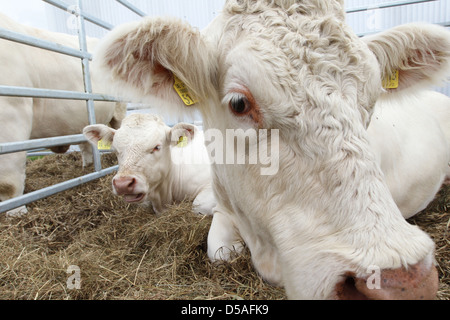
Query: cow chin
x,y
134,198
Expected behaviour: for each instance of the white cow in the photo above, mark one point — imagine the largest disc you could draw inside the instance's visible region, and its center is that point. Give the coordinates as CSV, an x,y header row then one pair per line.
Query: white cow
x,y
154,166
29,118
325,226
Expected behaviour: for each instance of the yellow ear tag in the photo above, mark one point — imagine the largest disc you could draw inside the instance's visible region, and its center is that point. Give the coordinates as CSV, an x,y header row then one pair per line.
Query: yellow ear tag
x,y
183,142
391,82
183,92
102,145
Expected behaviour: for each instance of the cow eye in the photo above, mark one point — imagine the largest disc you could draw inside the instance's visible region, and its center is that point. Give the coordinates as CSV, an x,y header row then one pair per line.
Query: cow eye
x,y
157,148
239,105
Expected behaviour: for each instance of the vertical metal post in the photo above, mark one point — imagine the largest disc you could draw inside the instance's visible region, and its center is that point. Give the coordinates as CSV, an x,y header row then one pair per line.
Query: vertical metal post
x,y
87,79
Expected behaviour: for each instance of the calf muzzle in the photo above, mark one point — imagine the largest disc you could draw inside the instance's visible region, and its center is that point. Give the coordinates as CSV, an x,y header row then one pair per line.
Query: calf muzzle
x,y
124,185
127,186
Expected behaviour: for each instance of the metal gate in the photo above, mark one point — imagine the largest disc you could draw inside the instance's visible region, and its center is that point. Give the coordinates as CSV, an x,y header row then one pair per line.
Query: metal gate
x,y
88,96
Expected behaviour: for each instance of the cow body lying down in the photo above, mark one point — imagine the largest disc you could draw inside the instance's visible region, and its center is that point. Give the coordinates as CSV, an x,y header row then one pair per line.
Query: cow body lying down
x,y
410,137
157,164
32,118
326,225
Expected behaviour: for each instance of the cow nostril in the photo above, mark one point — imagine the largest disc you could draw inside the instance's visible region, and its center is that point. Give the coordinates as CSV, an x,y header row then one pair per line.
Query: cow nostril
x,y
132,182
347,290
419,281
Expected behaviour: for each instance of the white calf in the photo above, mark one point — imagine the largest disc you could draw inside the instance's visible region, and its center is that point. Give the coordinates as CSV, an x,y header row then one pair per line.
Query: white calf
x,y
158,164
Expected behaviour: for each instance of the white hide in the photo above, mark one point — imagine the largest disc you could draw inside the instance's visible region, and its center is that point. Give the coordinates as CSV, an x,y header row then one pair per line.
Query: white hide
x,y
165,170
26,118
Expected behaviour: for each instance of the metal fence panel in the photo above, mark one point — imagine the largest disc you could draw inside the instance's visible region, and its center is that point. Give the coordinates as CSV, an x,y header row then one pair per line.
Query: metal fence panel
x,y
88,96
47,192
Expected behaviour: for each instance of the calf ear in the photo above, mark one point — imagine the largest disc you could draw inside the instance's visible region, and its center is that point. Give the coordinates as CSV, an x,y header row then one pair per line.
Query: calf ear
x,y
182,134
143,57
420,53
98,132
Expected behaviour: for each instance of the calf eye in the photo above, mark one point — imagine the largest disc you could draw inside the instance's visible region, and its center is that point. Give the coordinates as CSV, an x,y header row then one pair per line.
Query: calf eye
x,y
157,148
239,105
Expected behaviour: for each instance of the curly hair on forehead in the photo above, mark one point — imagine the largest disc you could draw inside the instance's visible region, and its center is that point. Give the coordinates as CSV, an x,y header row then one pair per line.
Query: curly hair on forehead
x,y
304,7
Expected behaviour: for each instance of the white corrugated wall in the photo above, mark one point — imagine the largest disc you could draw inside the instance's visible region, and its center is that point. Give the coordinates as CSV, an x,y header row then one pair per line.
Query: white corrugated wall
x,y
200,12
197,12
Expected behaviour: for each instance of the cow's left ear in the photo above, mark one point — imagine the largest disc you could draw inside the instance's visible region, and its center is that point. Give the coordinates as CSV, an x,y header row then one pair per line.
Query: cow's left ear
x,y
419,52
182,134
145,59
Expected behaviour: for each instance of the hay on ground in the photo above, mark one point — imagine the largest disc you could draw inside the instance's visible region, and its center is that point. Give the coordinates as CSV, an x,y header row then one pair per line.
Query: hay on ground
x,y
127,252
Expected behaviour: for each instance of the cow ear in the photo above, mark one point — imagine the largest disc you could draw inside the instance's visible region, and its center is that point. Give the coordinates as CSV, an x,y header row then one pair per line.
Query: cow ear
x,y
182,134
95,133
419,52
144,58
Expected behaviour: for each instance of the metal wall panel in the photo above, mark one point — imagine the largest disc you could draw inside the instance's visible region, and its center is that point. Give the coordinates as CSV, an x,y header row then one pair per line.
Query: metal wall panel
x,y
197,12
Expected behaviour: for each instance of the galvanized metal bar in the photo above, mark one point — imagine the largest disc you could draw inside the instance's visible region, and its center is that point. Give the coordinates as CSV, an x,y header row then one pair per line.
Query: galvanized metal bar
x,y
48,153
42,154
386,5
132,7
42,44
444,24
10,91
19,146
87,81
368,33
49,191
70,8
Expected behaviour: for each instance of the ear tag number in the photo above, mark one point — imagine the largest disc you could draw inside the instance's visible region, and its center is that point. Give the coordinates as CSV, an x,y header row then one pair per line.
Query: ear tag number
x,y
391,82
183,92
182,142
102,145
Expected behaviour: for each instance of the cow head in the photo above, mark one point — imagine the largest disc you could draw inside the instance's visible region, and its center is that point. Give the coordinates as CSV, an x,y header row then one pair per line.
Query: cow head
x,y
326,220
143,148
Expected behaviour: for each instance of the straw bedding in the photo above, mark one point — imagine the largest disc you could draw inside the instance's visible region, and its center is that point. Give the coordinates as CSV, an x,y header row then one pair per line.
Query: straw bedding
x,y
126,252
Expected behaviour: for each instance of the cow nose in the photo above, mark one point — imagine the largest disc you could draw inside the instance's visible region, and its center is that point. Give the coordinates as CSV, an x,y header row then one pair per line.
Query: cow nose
x,y
124,185
417,282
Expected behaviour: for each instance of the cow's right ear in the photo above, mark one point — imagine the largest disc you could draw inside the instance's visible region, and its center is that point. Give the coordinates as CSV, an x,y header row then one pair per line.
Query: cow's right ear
x,y
420,53
142,59
97,132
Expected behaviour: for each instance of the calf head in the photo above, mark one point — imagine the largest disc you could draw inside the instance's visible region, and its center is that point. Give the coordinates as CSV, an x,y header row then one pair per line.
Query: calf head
x,y
326,220
143,148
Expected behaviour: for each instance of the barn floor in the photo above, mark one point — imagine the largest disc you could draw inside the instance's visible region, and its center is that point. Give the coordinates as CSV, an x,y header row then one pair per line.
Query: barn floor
x,y
126,252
